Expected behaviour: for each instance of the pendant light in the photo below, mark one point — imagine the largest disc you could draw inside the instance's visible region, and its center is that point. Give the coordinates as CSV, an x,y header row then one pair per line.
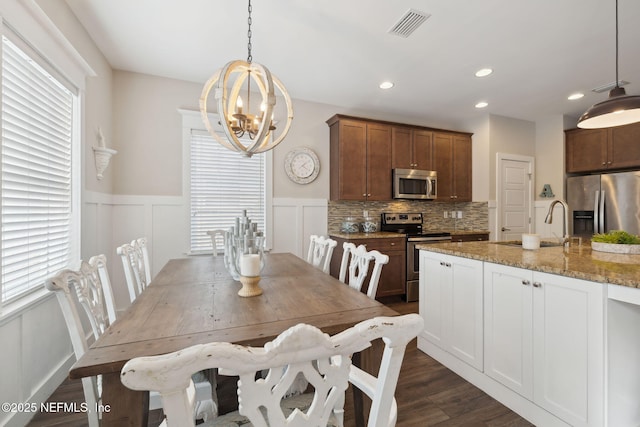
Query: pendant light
x,y
619,109
248,126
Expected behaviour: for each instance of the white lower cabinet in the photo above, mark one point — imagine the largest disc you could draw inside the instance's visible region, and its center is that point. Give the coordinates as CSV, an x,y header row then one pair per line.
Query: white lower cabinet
x,y
544,339
451,305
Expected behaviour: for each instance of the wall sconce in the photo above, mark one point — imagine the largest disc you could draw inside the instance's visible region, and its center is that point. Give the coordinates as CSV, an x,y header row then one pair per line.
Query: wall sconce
x,y
102,155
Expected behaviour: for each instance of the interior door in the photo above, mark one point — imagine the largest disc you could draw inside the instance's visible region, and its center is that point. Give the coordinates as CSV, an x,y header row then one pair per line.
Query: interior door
x,y
514,205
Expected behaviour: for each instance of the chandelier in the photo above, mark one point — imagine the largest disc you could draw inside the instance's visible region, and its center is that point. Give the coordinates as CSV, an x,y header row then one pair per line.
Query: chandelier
x,y
248,126
619,109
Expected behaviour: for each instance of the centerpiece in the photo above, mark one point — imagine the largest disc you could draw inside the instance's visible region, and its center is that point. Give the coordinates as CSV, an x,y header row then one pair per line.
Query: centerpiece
x,y
616,241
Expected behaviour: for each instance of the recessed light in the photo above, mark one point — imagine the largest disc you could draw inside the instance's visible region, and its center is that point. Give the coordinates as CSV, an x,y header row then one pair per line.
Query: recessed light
x,y
575,96
482,104
386,85
484,72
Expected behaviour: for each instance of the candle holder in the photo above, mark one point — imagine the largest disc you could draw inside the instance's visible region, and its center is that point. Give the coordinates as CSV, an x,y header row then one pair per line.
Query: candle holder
x,y
249,261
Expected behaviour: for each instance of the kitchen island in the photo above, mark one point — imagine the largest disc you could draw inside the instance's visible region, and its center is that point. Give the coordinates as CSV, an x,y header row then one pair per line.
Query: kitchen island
x,y
549,333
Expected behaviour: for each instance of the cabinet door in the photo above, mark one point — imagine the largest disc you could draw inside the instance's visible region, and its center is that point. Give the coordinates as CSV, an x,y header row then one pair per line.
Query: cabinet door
x,y
568,347
393,276
465,324
443,164
422,149
435,278
348,152
586,150
624,147
508,327
451,305
378,162
401,148
462,168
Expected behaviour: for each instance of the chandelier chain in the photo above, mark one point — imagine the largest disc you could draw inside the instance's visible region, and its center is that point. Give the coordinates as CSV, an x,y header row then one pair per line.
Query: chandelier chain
x,y
617,44
249,57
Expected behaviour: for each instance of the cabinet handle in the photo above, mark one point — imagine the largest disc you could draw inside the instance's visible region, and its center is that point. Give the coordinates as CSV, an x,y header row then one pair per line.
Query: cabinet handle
x,y
604,163
526,282
364,195
442,263
393,244
537,284
608,163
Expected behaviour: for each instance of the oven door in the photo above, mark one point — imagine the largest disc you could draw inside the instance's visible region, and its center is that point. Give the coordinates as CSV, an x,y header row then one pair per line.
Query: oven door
x,y
413,263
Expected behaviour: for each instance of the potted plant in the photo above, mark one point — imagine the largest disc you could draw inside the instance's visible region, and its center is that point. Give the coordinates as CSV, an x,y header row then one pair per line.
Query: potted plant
x,y
616,241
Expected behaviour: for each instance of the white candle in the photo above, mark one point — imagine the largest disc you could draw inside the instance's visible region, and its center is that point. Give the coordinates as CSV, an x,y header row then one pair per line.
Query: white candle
x,y
250,265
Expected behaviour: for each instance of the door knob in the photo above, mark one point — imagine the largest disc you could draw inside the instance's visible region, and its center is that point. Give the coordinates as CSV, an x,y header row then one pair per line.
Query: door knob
x,y
506,229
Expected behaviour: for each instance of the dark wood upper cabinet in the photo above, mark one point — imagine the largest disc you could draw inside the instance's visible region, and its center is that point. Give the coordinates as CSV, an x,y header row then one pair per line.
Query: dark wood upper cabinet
x,y
411,148
360,154
593,150
364,152
452,161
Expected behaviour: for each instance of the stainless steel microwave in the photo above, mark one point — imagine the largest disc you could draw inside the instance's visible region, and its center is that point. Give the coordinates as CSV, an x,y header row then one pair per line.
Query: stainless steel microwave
x,y
415,184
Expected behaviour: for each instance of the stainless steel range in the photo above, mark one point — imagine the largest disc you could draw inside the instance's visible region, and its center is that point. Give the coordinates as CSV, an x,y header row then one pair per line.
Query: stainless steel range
x,y
411,225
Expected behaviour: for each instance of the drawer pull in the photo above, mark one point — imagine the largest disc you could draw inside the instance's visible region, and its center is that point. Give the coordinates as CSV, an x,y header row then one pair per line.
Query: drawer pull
x,y
526,282
537,284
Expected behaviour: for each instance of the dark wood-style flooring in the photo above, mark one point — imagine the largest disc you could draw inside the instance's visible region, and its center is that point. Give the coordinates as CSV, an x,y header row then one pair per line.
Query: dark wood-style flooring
x,y
428,394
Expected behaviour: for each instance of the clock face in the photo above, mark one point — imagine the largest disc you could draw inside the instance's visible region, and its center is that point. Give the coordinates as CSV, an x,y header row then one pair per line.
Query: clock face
x,y
302,165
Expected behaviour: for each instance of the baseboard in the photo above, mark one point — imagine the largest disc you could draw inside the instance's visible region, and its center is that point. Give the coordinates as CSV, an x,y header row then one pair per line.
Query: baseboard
x,y
44,390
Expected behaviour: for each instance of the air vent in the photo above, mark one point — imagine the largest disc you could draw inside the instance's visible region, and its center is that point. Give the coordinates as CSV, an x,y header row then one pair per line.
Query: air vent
x,y
609,86
409,23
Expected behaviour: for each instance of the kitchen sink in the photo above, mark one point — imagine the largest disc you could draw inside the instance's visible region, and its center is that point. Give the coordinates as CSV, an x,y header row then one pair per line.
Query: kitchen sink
x,y
543,244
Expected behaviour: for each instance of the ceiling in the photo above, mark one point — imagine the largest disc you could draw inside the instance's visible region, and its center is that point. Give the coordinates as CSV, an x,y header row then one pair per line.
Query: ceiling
x,y
338,51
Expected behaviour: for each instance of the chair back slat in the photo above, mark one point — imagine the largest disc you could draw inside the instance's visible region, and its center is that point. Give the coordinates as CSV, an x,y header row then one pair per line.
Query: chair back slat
x,y
355,261
320,252
325,361
135,262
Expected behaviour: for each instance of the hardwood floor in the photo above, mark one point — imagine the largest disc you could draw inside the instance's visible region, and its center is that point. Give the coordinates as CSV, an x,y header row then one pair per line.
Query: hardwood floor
x,y
428,394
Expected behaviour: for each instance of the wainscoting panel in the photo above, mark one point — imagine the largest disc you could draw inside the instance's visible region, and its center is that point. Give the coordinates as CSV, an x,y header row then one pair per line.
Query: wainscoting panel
x,y
294,220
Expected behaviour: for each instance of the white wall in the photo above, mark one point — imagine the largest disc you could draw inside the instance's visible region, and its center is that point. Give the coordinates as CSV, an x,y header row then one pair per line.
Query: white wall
x,y
550,155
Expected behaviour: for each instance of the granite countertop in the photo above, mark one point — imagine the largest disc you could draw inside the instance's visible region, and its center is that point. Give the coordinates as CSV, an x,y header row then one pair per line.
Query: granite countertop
x,y
578,261
376,235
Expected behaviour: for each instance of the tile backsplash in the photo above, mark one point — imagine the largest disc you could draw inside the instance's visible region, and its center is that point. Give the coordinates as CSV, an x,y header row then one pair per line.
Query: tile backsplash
x,y
475,215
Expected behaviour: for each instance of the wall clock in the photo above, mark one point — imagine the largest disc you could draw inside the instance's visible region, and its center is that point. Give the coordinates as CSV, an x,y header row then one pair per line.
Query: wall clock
x,y
302,165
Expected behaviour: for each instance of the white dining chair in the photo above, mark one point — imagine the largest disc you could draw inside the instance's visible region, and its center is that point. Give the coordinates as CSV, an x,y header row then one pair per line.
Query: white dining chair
x,y
135,261
324,360
217,241
88,287
321,251
356,261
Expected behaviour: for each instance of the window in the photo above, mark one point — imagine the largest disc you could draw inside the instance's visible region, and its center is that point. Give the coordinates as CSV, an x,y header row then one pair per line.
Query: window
x,y
38,123
223,183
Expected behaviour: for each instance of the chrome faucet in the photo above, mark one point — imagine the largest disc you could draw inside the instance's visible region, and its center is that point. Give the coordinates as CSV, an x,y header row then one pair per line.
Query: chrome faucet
x,y
565,225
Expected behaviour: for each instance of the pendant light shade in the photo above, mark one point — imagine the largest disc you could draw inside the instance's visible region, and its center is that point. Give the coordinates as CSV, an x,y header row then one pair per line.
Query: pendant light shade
x,y
619,109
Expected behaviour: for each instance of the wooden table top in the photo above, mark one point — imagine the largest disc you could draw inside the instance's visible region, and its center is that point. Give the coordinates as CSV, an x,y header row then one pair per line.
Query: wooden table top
x,y
194,300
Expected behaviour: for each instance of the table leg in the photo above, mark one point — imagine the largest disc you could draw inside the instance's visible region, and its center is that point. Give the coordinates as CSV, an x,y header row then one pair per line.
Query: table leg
x,y
123,406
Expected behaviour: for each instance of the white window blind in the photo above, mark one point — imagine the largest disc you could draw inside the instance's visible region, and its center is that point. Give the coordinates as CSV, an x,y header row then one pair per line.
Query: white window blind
x,y
223,184
37,125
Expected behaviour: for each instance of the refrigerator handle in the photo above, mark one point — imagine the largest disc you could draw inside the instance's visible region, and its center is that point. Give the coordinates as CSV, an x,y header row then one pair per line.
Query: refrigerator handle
x,y
602,199
596,213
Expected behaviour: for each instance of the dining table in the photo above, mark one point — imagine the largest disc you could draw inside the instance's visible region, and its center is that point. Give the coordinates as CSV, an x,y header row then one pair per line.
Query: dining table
x,y
194,300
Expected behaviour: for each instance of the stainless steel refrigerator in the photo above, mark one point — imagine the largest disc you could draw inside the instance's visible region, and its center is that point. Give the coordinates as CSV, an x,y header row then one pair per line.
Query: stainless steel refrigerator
x,y
605,202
